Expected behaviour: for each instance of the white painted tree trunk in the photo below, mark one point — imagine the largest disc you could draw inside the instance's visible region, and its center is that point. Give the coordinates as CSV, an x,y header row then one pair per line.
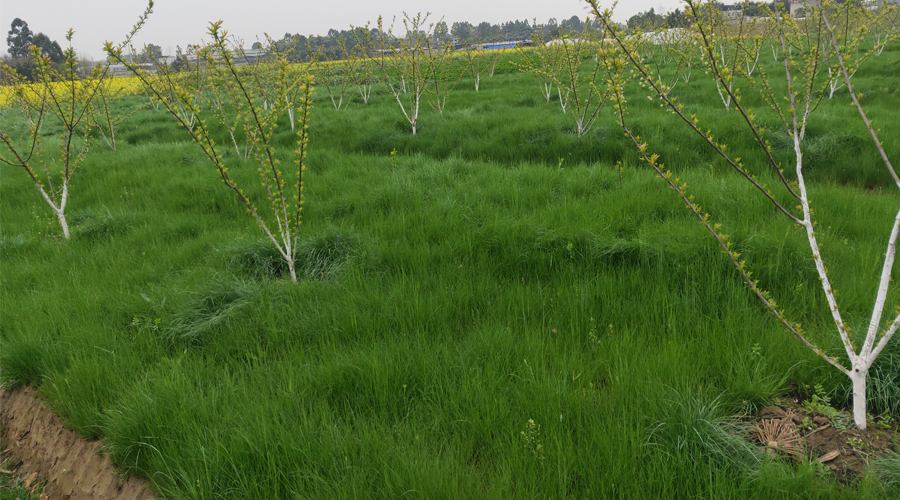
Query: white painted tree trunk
x,y
237,148
365,90
415,114
291,267
62,222
726,96
833,83
858,377
563,100
59,210
752,65
545,90
290,111
110,141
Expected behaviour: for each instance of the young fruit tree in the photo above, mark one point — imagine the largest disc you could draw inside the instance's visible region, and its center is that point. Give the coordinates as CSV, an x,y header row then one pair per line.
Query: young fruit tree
x,y
403,64
440,72
103,118
59,94
232,88
802,83
544,61
362,50
850,31
472,53
337,67
585,84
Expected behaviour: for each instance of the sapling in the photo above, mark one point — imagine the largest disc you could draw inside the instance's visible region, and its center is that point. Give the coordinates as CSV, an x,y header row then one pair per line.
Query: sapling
x,y
544,61
219,106
478,57
675,46
851,29
729,57
493,57
103,119
884,26
587,90
473,56
172,86
687,55
801,68
60,94
442,75
403,65
364,77
758,34
273,75
337,67
283,191
664,41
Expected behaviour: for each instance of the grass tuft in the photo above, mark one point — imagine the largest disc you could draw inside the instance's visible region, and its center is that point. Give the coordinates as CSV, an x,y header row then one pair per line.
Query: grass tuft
x,y
326,255
692,427
25,360
12,244
887,470
210,310
318,257
883,391
257,259
89,225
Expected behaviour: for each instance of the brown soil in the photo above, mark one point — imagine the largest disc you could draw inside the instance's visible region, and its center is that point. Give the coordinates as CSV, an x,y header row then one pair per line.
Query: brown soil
x,y
72,468
794,430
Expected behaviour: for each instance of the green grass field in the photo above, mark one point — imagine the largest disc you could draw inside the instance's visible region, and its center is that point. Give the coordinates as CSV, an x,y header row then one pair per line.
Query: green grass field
x,y
493,313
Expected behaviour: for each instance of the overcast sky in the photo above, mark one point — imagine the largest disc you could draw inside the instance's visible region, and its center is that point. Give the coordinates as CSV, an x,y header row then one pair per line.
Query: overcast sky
x,y
184,21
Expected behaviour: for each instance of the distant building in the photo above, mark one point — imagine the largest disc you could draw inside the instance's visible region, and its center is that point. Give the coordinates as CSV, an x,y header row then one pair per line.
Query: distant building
x,y
119,69
733,16
560,41
500,45
797,5
240,58
664,36
250,56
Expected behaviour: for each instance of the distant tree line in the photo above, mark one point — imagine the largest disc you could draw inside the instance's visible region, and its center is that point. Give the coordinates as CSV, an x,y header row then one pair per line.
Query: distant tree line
x,y
677,19
19,41
300,46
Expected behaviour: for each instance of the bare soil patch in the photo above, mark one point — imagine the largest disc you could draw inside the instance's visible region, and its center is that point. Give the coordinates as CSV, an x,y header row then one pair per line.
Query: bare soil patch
x,y
820,433
71,467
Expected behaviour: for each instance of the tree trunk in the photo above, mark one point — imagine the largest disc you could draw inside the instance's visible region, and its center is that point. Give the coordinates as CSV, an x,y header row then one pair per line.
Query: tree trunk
x,y
293,270
62,222
858,376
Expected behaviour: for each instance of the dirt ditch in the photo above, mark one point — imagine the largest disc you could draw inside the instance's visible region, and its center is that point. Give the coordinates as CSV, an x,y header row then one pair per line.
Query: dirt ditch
x,y
39,449
70,468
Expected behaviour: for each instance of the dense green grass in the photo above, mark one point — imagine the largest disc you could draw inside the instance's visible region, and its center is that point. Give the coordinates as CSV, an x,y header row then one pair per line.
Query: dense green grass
x,y
473,321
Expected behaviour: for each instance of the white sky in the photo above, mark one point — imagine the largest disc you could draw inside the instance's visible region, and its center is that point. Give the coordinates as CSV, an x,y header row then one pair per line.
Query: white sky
x,y
184,21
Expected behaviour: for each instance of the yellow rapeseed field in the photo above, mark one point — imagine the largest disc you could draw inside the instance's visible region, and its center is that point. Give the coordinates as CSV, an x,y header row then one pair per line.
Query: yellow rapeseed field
x,y
123,86
120,86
